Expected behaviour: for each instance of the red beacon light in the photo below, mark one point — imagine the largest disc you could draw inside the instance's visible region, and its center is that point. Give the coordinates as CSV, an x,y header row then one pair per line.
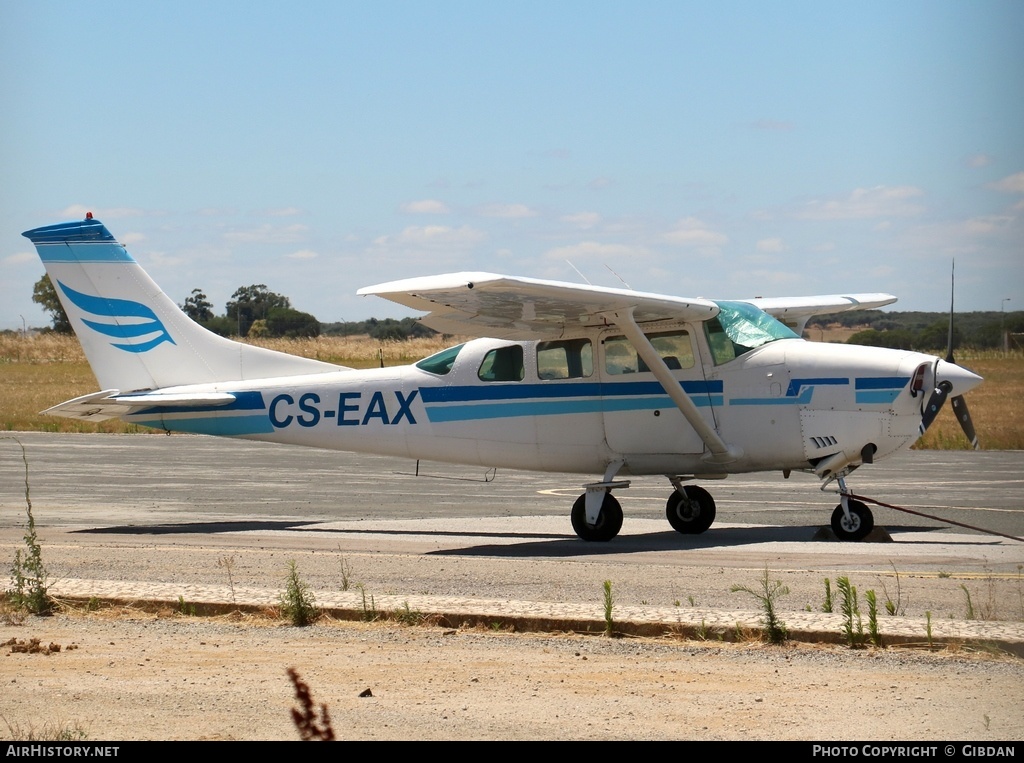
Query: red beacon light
x,y
88,215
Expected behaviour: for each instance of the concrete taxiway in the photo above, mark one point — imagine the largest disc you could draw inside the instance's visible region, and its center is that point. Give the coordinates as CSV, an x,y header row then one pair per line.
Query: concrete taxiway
x,y
157,517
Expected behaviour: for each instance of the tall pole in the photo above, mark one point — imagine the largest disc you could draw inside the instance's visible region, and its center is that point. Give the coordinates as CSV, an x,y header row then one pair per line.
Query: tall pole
x,y
1002,324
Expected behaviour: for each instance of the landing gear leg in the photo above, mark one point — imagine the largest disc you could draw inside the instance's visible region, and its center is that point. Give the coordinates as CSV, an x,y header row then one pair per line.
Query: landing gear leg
x,y
851,520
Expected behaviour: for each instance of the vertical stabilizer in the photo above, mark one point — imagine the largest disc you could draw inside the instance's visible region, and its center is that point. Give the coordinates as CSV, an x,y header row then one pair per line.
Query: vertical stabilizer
x,y
134,336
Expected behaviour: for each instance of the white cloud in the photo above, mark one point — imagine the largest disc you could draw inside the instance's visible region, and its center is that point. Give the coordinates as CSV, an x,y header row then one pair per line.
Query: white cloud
x,y
425,207
302,254
987,224
582,219
267,234
771,245
979,160
280,212
863,203
693,232
595,250
217,212
131,238
78,211
1010,184
20,258
432,237
510,211
600,183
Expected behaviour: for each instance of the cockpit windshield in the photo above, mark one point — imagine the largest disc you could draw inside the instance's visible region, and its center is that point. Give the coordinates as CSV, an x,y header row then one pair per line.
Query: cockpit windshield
x,y
739,328
441,363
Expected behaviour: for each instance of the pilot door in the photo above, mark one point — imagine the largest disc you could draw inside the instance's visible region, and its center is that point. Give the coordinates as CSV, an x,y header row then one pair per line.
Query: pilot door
x,y
639,416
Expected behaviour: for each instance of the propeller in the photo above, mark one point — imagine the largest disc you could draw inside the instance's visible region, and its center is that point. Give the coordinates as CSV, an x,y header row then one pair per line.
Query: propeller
x,y
953,376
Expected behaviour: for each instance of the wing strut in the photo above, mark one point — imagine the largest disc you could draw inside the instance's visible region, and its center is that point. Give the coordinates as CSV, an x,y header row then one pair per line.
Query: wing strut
x,y
720,452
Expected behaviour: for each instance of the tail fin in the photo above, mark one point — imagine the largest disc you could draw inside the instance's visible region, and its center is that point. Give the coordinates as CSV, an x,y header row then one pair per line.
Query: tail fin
x,y
134,336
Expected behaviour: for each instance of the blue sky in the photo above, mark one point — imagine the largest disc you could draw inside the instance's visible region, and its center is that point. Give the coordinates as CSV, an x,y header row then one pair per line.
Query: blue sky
x,y
723,150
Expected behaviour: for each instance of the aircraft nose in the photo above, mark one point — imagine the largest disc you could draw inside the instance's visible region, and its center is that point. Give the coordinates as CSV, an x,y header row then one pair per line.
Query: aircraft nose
x,y
961,379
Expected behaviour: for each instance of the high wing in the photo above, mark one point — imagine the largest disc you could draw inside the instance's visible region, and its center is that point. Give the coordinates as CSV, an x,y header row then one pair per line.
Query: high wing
x,y
510,307
796,311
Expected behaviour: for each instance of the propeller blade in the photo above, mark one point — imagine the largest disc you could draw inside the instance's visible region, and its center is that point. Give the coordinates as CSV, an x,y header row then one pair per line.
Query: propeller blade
x,y
964,417
935,403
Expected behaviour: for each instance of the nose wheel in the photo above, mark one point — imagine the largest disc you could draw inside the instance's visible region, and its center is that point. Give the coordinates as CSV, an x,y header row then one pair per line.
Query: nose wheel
x,y
855,525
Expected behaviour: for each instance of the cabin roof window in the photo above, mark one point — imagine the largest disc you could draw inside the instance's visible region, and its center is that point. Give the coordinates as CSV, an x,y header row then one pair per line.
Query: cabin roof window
x,y
440,363
741,327
503,364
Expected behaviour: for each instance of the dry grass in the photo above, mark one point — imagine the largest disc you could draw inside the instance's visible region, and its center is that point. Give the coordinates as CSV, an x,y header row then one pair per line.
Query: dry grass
x,y
41,371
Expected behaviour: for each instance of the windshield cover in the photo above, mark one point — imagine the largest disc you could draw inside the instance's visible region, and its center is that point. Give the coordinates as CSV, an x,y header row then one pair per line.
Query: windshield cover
x,y
749,326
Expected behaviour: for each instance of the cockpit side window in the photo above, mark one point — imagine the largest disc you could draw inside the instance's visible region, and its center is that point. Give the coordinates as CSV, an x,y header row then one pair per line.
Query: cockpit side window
x,y
565,359
441,363
503,364
674,347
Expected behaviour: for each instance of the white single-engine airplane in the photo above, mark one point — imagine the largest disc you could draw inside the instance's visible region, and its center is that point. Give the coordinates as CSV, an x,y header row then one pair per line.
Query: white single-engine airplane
x,y
572,378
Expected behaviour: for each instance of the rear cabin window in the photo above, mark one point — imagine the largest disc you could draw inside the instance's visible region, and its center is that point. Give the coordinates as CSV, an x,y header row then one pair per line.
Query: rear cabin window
x,y
674,347
503,364
565,359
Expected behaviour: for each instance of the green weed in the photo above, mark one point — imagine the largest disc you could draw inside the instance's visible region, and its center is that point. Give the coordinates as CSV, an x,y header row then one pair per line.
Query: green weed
x,y
826,606
227,563
346,573
407,616
609,605
876,636
969,608
767,595
28,573
369,608
894,607
297,602
853,630
184,608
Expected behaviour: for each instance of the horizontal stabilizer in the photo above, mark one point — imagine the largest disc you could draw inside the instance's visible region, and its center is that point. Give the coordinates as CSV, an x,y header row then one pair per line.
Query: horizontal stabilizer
x,y
109,404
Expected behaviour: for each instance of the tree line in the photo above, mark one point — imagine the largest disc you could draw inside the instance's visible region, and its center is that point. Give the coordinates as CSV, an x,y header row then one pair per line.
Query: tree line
x,y
253,311
924,331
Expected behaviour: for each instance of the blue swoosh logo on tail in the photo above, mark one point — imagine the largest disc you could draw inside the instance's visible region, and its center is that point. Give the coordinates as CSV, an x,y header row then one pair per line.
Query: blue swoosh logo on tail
x,y
104,307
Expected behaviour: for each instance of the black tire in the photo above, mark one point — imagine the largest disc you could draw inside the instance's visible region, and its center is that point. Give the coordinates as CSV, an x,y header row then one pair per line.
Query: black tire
x,y
693,514
609,521
861,523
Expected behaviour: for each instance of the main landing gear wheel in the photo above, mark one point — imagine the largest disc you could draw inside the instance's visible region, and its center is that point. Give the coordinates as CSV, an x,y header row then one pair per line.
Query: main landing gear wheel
x,y
857,527
609,521
692,514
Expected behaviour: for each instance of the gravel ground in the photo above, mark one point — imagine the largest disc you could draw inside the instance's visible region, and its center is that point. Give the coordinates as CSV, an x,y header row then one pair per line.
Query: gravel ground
x,y
128,675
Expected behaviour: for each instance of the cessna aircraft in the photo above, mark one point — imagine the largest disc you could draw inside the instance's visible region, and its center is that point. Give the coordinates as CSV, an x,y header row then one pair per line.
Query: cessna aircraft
x,y
571,378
